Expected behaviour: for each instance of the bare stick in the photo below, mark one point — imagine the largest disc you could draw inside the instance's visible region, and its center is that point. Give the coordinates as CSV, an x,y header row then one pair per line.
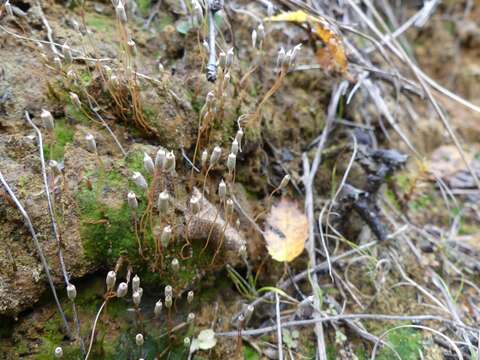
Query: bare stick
x,y
105,125
49,200
49,32
92,336
309,173
343,317
279,327
28,222
54,224
212,56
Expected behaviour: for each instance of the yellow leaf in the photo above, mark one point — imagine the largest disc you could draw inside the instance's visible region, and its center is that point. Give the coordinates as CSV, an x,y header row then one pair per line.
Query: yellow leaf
x,y
332,56
286,231
292,16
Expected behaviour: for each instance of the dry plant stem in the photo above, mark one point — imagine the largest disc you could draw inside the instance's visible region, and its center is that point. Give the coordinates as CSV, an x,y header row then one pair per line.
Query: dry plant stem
x,y
49,32
212,56
51,212
220,244
92,336
105,125
214,222
135,225
28,222
49,200
276,85
279,327
422,78
238,340
345,317
250,220
305,274
205,181
79,328
197,143
452,307
309,173
333,201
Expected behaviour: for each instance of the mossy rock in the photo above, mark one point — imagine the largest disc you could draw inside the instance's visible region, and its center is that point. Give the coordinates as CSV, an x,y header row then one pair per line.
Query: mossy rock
x,y
107,224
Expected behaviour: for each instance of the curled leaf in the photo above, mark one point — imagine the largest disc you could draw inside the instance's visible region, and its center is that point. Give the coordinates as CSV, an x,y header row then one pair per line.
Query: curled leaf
x,y
286,231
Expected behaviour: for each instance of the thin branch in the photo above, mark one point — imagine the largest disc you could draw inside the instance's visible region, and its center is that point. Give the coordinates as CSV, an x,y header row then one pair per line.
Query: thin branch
x,y
279,327
54,223
28,222
49,200
92,336
343,317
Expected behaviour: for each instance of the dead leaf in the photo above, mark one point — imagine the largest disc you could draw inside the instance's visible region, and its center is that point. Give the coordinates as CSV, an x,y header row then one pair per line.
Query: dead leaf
x,y
286,231
332,56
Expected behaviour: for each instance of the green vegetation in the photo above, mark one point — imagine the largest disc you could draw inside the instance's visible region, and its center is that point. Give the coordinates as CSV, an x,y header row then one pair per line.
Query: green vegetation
x,y
144,6
422,202
55,142
249,353
107,229
100,23
406,342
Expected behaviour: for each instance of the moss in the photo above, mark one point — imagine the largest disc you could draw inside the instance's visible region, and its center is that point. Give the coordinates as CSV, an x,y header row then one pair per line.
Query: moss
x,y
86,77
100,23
107,229
392,198
144,6
72,112
62,135
196,103
164,20
51,337
331,352
361,353
249,353
422,202
406,342
107,232
403,181
134,161
150,114
125,348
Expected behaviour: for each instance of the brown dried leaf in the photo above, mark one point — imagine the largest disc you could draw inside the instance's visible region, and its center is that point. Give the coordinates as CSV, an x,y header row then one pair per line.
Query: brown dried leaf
x,y
286,231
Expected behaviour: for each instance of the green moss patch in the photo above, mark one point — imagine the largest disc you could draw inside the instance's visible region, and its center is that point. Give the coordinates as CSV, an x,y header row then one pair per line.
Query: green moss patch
x,y
55,145
100,23
406,342
108,228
